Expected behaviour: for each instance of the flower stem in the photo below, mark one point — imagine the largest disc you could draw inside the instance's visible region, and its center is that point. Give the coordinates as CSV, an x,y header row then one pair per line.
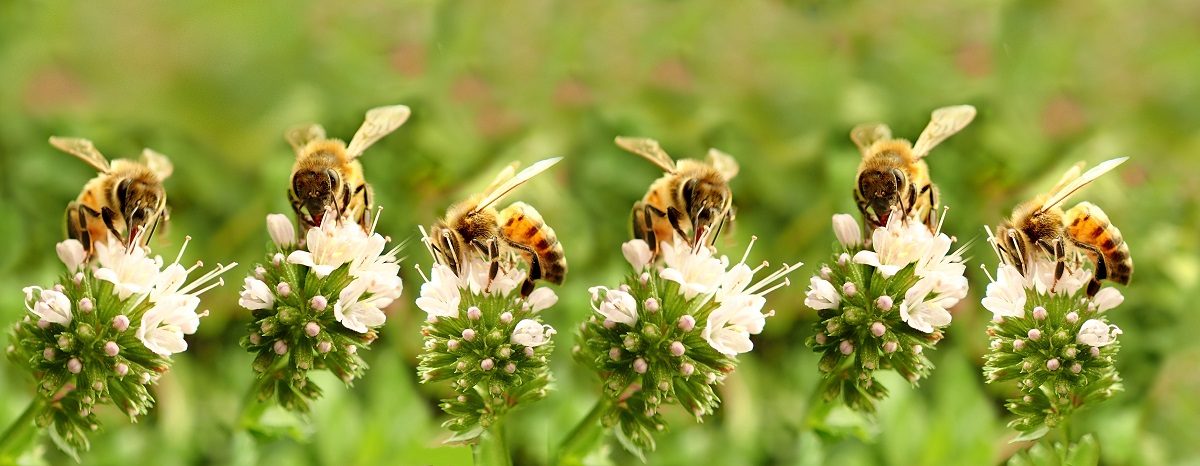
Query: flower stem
x,y
492,449
582,439
252,407
19,432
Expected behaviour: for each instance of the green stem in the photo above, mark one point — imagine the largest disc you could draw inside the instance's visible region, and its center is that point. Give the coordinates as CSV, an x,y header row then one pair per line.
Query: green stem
x,y
492,447
20,430
581,439
252,407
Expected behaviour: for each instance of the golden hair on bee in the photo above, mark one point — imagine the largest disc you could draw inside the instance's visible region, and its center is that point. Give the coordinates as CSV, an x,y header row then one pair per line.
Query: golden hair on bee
x,y
692,195
893,175
474,226
1040,226
327,175
126,200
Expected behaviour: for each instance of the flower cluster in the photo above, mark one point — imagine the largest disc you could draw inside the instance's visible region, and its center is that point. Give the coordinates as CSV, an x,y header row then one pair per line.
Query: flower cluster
x,y
1052,338
904,268
105,333
315,304
486,339
671,333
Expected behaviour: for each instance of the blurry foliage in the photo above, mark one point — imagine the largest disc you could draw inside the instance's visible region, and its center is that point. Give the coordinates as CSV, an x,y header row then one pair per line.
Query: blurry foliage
x,y
778,84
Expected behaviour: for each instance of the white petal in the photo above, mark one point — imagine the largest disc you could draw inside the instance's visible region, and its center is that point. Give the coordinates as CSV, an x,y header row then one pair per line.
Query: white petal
x,y
283,234
847,231
71,253
542,298
637,253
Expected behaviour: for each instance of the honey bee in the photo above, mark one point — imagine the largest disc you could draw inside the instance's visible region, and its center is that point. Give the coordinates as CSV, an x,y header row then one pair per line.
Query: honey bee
x,y
691,198
1041,224
125,200
327,175
893,175
475,225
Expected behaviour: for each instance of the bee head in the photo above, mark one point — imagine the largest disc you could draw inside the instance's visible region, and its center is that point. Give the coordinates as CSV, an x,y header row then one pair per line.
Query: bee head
x,y
706,203
881,189
140,203
316,189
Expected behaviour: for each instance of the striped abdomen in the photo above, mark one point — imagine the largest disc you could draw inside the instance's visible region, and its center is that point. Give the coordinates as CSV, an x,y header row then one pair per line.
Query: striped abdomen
x,y
1088,225
525,231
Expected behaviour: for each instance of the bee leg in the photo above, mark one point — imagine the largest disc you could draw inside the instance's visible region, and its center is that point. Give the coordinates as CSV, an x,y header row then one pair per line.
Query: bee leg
x,y
1101,272
1056,249
930,217
673,215
491,250
1017,253
713,238
78,229
449,255
864,209
107,214
535,267
298,207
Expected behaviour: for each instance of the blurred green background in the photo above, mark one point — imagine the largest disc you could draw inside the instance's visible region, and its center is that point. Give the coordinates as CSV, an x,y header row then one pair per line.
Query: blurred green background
x,y
777,84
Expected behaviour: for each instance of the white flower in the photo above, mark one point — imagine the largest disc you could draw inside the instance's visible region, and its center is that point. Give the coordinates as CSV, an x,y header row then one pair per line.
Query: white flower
x,y
618,306
329,246
541,298
384,286
925,315
440,296
359,315
937,259
130,271
51,306
1040,277
530,333
256,295
1096,333
1107,298
1006,296
283,234
847,231
165,324
506,280
71,253
695,269
637,252
168,282
902,242
371,260
733,282
730,325
822,294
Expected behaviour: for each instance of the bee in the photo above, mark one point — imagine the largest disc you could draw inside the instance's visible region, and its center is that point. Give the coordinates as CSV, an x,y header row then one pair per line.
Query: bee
x,y
1040,224
126,200
691,199
893,175
475,225
327,175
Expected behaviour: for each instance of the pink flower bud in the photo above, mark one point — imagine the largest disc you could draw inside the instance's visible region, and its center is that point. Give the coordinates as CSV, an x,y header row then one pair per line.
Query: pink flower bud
x,y
284,289
878,329
487,364
609,324
1040,313
687,323
1076,368
260,272
121,322
505,352
111,348
86,305
651,305
324,347
687,369
474,313
640,366
1053,364
850,289
452,345
280,347
614,353
677,348
312,329
43,324
890,347
74,366
121,369
510,368
1072,317
318,303
821,338
1035,334
506,317
884,303
48,353
826,272
1094,351
528,351
846,347
468,334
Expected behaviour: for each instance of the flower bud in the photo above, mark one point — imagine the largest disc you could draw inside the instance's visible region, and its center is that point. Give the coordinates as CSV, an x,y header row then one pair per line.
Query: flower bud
x,y
687,369
506,317
850,289
74,365
318,303
640,366
1018,344
884,303
487,364
651,305
1035,334
1053,364
474,313
1072,317
312,329
878,329
111,348
687,323
1039,313
846,347
86,305
1076,368
890,347
677,348
280,347
510,368
284,289
452,344
468,334
48,353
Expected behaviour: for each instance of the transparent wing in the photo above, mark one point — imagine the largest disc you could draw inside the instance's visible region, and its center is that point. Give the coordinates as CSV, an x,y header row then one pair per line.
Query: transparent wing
x,y
865,135
497,192
1071,174
649,149
157,163
380,121
82,148
504,175
724,163
300,136
1060,195
945,122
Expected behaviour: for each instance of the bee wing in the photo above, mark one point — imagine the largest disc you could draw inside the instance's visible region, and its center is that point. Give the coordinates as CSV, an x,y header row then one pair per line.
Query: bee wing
x,y
724,163
380,121
504,175
1061,193
865,135
82,148
300,136
1071,174
157,163
497,191
649,149
945,122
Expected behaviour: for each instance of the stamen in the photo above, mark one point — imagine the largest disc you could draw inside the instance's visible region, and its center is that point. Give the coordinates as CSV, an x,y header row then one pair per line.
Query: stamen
x,y
941,220
786,269
751,245
375,221
985,272
786,282
186,240
194,267
760,267
422,272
